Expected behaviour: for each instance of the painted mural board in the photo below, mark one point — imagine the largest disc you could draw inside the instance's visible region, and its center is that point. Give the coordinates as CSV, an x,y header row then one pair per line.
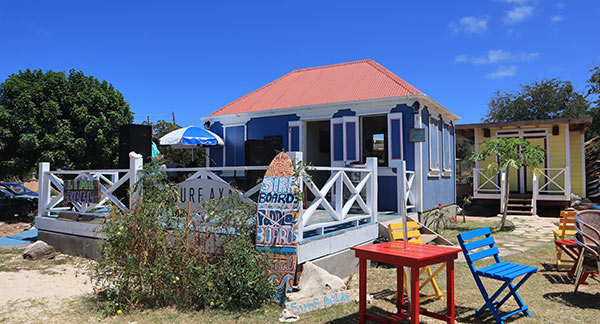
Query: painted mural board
x,y
277,223
82,191
196,190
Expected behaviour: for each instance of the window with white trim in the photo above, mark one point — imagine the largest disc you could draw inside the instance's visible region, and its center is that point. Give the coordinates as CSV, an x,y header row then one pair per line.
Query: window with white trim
x,y
447,151
434,147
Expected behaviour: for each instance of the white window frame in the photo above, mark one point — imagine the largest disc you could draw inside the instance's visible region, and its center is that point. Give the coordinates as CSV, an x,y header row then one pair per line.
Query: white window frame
x,y
434,170
447,150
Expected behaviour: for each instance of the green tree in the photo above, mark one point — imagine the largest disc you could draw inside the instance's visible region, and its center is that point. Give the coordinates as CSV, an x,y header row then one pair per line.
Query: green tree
x,y
510,153
545,99
68,119
594,91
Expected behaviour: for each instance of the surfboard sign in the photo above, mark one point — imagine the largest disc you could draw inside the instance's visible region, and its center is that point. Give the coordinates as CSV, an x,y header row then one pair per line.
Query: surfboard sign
x,y
277,223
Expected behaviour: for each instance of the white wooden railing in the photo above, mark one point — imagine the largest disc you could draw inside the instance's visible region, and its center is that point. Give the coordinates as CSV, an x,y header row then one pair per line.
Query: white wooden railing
x,y
340,205
556,185
483,178
109,181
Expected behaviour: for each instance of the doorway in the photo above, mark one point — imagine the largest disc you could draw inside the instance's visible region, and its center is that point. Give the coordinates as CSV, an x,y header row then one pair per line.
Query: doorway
x,y
375,139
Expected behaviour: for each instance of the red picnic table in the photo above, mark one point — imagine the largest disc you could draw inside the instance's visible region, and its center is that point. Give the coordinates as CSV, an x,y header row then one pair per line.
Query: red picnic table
x,y
416,256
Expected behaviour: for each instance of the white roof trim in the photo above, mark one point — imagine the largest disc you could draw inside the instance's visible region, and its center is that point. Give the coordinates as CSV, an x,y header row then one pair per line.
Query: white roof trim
x,y
422,98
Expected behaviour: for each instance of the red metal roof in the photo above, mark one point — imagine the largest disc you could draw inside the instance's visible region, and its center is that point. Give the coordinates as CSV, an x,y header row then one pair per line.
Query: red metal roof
x,y
360,80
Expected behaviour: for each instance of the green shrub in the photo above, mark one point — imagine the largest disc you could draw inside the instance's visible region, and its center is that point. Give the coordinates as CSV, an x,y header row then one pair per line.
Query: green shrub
x,y
157,255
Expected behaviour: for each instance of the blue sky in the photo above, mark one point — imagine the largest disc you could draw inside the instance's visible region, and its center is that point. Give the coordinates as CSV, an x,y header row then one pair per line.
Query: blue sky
x,y
195,57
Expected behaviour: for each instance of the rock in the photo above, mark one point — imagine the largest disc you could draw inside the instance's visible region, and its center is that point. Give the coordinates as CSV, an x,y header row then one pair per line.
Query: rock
x,y
316,281
39,250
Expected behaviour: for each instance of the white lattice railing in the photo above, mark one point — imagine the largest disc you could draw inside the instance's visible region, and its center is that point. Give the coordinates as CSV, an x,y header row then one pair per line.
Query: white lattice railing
x,y
340,205
109,181
485,181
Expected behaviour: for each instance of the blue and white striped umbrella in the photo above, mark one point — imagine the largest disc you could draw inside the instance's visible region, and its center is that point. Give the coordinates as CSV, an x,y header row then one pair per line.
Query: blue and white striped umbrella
x,y
190,137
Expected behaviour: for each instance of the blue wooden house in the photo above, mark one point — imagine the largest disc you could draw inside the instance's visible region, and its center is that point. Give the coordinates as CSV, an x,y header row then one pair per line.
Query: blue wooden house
x,y
338,116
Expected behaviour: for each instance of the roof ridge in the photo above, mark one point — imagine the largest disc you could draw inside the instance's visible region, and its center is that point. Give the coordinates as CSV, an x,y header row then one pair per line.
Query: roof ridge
x,y
398,80
332,65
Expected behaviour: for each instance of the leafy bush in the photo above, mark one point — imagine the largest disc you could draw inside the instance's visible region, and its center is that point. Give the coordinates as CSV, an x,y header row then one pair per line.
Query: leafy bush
x,y
157,254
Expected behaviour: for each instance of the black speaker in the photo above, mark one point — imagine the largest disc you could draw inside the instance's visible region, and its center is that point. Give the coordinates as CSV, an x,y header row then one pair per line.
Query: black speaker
x,y
254,151
137,138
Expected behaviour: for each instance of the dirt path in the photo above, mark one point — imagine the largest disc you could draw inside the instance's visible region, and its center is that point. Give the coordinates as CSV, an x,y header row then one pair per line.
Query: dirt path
x,y
31,287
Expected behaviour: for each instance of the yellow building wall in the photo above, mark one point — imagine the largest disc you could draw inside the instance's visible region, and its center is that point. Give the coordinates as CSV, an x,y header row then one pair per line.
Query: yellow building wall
x,y
555,159
576,170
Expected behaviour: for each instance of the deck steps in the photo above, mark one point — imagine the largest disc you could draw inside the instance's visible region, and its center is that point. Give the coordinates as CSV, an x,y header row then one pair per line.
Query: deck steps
x,y
519,206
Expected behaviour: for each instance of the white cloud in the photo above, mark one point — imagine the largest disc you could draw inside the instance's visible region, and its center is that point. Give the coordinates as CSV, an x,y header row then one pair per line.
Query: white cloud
x,y
497,56
470,24
556,19
518,14
502,72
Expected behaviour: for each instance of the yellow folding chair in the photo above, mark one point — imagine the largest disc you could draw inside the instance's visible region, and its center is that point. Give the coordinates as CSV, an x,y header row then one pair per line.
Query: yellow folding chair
x,y
396,232
566,230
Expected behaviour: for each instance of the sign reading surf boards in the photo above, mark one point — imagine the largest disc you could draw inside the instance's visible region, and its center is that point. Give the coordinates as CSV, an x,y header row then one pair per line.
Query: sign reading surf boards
x,y
195,191
82,191
277,223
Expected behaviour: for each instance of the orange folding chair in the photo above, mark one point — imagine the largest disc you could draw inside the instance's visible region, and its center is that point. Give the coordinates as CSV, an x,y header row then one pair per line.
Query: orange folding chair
x,y
396,232
563,238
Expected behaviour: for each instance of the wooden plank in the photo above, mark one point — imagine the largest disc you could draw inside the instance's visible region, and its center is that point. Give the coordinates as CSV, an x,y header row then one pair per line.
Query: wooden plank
x,y
68,227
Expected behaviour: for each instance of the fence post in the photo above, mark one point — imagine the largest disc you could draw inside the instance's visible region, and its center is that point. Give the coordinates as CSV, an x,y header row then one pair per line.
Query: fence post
x,y
475,181
297,157
535,193
401,187
567,175
372,190
135,165
502,190
43,188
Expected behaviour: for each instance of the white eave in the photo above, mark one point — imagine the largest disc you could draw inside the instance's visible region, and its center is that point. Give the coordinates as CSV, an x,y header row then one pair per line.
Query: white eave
x,y
330,108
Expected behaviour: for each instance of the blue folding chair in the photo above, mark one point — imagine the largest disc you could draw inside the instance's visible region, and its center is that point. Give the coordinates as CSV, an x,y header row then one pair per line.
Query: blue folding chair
x,y
504,271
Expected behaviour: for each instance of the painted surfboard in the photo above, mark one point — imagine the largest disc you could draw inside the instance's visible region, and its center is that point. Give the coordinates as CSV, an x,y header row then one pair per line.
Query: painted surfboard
x,y
277,223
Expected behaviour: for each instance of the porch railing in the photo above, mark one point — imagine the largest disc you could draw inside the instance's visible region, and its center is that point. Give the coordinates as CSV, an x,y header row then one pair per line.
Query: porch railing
x,y
488,184
109,181
551,184
331,199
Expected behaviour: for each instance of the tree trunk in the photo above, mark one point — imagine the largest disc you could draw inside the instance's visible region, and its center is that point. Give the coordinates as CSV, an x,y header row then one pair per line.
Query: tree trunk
x,y
505,202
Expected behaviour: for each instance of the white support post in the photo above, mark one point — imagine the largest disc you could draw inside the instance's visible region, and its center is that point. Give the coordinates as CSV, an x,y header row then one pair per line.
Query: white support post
x,y
502,190
372,189
568,163
534,197
339,196
400,180
135,165
475,181
297,157
43,188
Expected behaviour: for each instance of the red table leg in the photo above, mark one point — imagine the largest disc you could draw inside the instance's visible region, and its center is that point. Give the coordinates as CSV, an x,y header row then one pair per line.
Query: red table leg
x,y
450,291
362,290
414,295
399,289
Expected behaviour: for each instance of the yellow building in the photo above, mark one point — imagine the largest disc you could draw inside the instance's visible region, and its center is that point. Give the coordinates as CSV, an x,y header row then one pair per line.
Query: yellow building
x,y
563,171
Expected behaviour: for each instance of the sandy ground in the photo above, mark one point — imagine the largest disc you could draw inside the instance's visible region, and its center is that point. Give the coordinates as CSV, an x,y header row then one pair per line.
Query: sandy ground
x,y
7,229
61,281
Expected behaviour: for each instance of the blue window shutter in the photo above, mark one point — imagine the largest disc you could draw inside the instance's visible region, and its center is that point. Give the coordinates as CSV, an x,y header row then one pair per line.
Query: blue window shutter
x,y
338,142
351,141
